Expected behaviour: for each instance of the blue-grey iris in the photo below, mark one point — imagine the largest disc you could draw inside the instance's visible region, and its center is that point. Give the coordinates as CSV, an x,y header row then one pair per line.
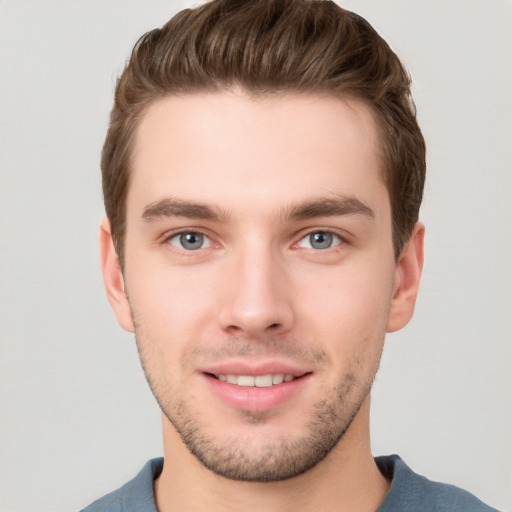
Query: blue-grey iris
x,y
191,241
320,240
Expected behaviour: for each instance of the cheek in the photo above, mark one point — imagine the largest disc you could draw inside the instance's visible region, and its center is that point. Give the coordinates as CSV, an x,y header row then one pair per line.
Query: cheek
x,y
157,284
349,310
172,303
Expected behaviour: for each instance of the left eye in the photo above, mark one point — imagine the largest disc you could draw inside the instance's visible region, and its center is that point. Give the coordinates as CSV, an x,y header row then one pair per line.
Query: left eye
x,y
320,240
190,241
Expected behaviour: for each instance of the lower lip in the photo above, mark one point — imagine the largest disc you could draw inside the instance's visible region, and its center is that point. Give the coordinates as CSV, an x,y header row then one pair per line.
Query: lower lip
x,y
252,398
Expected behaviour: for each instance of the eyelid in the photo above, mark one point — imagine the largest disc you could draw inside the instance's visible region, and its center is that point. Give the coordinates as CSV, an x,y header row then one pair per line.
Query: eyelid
x,y
167,237
342,238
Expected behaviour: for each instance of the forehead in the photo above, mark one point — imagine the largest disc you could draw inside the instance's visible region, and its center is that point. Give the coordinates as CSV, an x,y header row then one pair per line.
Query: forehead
x,y
220,146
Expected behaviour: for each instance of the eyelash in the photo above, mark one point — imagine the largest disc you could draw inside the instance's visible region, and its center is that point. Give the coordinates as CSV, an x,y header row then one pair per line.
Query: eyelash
x,y
335,238
204,237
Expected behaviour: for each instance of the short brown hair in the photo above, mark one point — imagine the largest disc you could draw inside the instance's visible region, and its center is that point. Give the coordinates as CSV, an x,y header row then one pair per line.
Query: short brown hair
x,y
268,46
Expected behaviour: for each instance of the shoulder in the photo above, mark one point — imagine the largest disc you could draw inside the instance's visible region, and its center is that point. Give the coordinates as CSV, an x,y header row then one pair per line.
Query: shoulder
x,y
134,496
109,503
415,493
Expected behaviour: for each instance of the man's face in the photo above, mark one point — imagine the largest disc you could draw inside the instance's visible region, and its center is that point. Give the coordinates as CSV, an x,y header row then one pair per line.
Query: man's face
x,y
259,273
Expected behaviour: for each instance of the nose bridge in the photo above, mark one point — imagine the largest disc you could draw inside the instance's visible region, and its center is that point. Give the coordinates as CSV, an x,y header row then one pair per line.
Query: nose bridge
x,y
257,299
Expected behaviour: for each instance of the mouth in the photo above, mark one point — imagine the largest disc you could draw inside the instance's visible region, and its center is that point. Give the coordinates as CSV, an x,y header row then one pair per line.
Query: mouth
x,y
258,381
252,389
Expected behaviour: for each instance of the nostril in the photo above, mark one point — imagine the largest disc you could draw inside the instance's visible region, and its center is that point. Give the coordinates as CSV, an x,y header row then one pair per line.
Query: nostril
x,y
273,326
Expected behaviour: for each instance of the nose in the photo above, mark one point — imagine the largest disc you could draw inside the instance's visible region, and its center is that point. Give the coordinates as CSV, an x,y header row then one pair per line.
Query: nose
x,y
257,296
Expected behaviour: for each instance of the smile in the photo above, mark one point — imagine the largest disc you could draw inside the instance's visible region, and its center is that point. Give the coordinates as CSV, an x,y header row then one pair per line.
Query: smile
x,y
259,381
256,389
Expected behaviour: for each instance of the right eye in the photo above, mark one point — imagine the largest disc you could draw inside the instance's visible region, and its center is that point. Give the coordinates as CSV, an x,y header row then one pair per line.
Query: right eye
x,y
190,241
320,240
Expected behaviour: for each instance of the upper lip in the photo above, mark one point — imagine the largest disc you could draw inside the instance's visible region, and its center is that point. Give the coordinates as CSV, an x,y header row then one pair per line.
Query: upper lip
x,y
255,369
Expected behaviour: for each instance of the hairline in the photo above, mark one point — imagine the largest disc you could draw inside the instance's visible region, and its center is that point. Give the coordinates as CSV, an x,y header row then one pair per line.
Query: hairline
x,y
253,94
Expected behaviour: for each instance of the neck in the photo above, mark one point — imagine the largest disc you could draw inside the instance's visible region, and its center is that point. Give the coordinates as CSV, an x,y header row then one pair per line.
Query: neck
x,y
346,480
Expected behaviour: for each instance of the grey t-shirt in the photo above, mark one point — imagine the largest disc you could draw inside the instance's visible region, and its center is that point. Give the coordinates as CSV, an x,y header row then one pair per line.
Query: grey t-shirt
x,y
409,492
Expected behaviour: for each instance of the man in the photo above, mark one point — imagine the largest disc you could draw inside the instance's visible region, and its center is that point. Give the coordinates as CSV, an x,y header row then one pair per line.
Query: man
x,y
262,174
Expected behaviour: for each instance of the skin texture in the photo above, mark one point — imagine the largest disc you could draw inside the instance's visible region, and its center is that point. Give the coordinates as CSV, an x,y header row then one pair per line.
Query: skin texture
x,y
248,181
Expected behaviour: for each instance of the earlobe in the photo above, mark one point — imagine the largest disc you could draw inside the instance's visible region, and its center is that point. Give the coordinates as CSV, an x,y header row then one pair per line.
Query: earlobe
x,y
407,280
113,278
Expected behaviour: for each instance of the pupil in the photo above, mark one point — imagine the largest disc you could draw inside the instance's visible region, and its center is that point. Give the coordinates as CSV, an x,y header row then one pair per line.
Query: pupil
x,y
321,240
191,241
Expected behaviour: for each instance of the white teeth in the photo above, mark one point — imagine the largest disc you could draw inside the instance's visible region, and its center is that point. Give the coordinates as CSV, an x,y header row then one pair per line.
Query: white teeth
x,y
263,381
260,381
245,380
278,379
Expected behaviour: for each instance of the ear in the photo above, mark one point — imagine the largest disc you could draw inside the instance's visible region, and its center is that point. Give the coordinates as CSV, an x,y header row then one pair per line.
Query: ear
x,y
407,280
113,278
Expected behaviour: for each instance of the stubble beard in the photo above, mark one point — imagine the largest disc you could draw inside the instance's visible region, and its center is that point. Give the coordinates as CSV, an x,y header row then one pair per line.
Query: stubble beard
x,y
275,460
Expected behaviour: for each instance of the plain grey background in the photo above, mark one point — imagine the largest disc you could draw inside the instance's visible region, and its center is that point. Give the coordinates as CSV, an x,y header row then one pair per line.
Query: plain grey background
x,y
77,418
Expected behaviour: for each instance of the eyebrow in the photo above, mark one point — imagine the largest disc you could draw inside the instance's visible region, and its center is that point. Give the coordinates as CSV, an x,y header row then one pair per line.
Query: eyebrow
x,y
322,207
328,207
173,207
